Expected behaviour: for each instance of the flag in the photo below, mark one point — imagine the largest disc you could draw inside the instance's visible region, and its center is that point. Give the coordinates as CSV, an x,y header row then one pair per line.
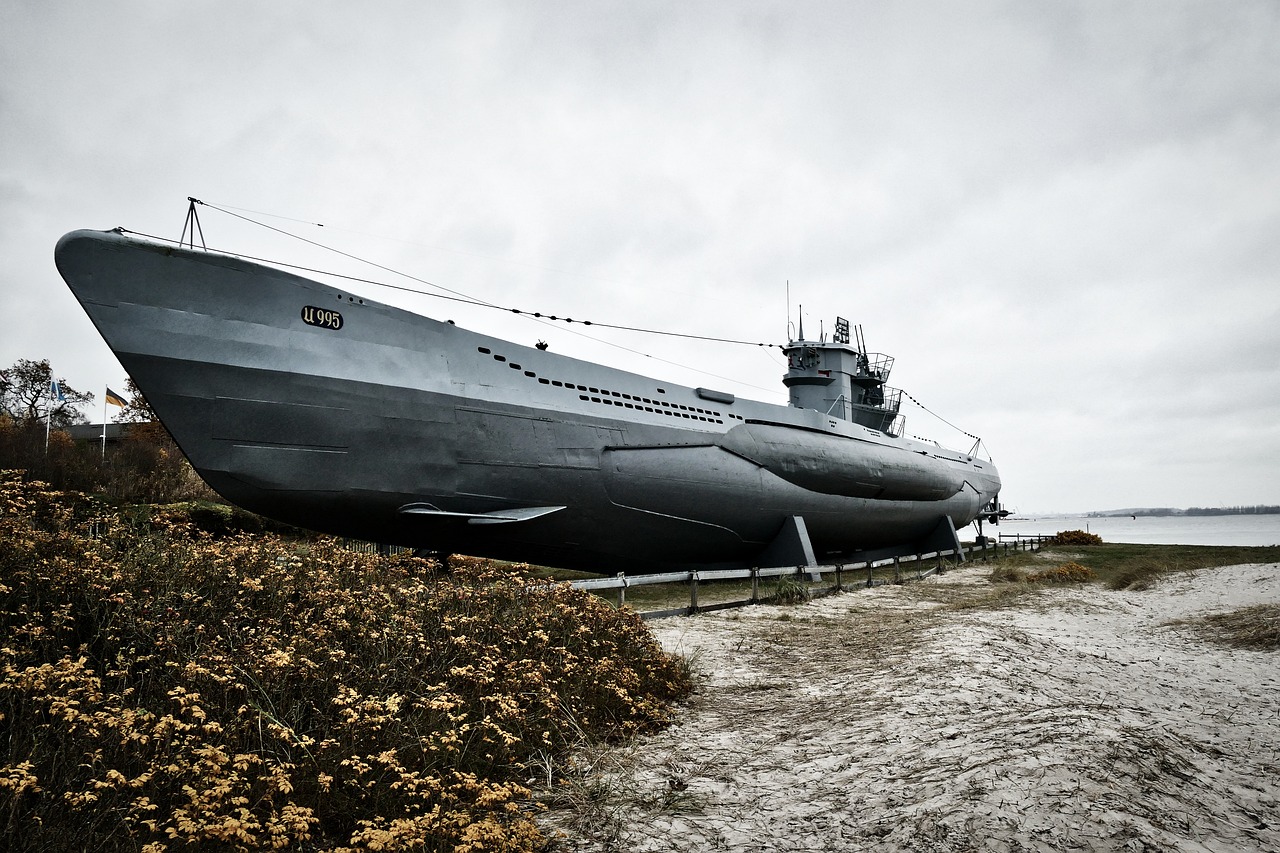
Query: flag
x,y
55,393
115,399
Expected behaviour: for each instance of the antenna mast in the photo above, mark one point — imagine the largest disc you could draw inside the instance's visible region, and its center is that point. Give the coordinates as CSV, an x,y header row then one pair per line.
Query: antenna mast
x,y
192,224
789,338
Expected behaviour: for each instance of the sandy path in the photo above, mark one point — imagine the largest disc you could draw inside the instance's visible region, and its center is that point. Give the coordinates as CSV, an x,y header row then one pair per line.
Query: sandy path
x,y
929,717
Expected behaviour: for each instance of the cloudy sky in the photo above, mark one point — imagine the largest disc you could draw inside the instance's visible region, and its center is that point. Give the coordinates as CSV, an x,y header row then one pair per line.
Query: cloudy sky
x,y
1062,218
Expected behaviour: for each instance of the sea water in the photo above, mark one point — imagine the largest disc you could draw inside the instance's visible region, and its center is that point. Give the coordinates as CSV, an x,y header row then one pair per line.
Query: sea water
x,y
1153,530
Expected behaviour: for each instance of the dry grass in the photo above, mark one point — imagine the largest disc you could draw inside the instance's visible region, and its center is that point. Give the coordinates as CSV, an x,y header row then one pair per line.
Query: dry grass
x,y
1007,578
1256,627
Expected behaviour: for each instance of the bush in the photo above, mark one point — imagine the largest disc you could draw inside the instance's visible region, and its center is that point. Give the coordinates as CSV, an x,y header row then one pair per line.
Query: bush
x,y
1075,537
1007,574
53,457
790,590
163,689
218,520
145,465
1066,573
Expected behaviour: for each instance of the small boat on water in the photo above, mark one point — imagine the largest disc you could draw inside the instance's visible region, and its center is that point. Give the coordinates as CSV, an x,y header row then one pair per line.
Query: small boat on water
x,y
321,408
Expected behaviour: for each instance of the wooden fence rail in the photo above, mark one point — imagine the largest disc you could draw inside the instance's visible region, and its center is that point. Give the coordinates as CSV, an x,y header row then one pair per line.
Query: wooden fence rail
x,y
844,575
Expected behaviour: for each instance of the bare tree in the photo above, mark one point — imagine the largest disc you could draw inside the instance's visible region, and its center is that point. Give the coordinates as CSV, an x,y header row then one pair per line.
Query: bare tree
x,y
136,409
28,393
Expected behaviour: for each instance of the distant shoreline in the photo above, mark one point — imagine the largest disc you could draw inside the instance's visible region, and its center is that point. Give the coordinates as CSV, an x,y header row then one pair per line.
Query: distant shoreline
x,y
1194,512
1153,512
1241,529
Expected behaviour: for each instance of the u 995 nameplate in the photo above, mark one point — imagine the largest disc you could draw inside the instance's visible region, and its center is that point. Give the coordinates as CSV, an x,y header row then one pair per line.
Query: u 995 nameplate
x,y
325,318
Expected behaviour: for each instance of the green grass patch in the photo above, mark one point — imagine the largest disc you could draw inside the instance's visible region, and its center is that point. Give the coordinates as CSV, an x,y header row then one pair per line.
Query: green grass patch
x,y
1122,566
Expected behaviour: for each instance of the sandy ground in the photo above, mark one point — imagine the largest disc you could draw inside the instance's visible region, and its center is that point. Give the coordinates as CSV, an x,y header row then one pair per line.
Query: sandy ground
x,y
940,715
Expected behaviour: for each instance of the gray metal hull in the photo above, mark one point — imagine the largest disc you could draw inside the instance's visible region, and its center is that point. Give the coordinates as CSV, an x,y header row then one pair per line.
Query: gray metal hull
x,y
377,423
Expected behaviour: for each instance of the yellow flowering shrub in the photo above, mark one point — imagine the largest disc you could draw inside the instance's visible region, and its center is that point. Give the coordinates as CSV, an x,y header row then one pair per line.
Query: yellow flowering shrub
x,y
164,690
1075,537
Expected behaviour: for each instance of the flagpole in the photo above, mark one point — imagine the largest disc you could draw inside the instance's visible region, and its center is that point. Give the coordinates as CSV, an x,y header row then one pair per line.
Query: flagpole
x,y
54,391
48,420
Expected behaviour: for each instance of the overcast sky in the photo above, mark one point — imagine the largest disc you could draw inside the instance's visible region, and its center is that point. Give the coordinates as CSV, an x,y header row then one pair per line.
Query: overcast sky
x,y
1062,219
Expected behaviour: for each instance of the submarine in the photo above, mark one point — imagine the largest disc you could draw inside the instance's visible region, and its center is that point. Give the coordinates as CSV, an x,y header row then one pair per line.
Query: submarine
x,y
318,407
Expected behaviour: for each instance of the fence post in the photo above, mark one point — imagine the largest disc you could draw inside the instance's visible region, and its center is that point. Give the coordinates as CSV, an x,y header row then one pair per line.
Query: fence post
x,y
755,584
897,573
622,590
839,583
870,569
693,592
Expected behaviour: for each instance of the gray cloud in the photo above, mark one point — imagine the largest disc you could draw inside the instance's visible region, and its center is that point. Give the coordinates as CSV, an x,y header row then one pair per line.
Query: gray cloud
x,y
1060,218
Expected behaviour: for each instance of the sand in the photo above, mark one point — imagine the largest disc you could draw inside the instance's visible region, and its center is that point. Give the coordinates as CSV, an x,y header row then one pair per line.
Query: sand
x,y
941,716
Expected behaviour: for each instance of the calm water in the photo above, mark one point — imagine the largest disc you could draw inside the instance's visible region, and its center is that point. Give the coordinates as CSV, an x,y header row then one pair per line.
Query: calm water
x,y
1170,530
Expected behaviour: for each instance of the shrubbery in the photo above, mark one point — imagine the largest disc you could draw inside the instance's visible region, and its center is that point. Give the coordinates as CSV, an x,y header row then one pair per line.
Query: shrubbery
x,y
165,690
1066,573
1069,572
1075,537
145,465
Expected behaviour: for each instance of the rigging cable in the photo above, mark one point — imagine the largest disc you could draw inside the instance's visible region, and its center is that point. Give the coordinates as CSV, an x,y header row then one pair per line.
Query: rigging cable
x,y
457,296
465,300
470,299
940,417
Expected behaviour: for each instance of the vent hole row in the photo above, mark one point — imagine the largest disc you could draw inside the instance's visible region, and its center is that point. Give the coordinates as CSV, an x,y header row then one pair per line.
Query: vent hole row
x,y
627,401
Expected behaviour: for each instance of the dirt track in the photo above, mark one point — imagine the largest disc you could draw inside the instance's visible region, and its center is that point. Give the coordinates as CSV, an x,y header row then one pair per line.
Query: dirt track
x,y
943,716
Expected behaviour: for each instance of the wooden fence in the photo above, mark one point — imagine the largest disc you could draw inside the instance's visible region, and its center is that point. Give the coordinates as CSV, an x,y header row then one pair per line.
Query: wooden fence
x,y
845,575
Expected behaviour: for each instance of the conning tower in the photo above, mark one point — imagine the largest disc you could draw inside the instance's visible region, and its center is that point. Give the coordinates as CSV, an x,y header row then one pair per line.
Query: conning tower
x,y
841,379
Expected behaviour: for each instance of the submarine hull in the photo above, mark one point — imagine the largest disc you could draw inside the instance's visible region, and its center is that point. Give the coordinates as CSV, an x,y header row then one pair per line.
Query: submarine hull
x,y
320,408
